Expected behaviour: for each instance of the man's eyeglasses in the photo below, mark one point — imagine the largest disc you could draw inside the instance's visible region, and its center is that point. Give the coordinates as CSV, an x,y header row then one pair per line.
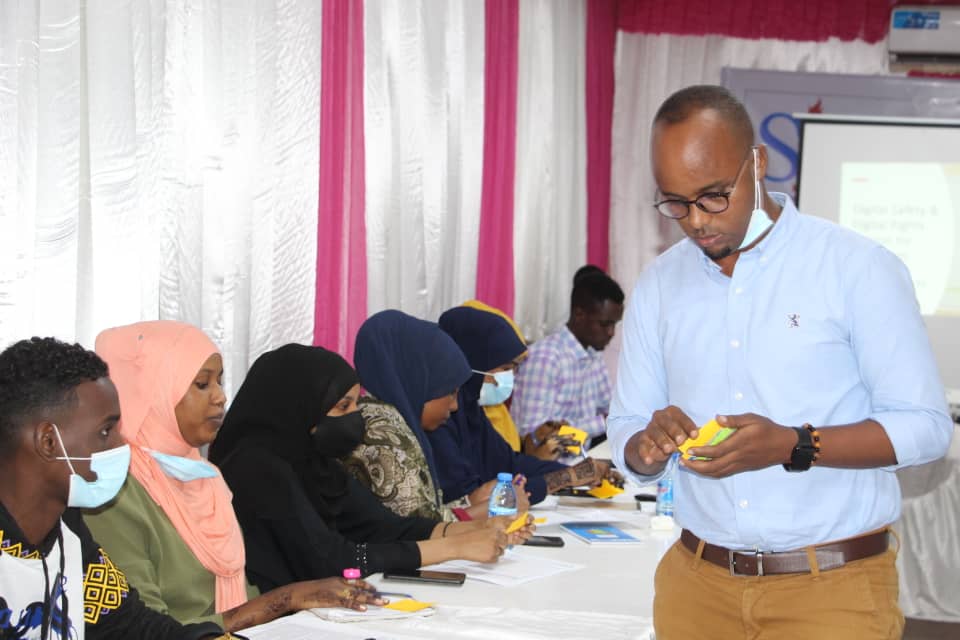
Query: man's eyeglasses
x,y
710,202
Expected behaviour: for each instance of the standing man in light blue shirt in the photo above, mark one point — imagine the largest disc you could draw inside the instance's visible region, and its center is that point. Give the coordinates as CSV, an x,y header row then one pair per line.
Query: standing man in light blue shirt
x,y
807,340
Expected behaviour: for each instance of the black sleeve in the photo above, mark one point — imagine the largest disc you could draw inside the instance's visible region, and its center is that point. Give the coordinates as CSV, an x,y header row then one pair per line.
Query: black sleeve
x,y
366,519
129,618
287,541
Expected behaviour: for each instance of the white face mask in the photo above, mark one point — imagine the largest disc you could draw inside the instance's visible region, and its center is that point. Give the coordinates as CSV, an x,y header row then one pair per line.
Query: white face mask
x,y
494,393
111,468
183,469
759,220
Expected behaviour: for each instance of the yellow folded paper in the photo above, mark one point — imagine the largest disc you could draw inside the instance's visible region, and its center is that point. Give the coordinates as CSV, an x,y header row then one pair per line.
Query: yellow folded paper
x,y
408,605
566,431
710,434
606,490
518,524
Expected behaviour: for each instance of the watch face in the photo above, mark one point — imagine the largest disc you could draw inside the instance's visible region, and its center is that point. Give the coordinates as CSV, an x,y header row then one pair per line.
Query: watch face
x,y
805,452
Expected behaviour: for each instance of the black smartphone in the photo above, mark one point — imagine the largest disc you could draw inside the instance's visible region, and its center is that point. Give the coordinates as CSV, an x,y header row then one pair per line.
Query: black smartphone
x,y
433,577
645,497
544,541
574,493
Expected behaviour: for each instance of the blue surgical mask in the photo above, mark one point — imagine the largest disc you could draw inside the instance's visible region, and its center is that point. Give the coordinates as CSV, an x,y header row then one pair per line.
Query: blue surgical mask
x,y
183,469
759,220
494,393
111,469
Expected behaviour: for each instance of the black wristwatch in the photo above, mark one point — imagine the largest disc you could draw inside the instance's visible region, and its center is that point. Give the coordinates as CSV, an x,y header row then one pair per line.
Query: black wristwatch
x,y
807,450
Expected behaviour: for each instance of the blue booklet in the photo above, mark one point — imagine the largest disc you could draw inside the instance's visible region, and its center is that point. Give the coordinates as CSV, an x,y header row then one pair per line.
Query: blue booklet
x,y
599,533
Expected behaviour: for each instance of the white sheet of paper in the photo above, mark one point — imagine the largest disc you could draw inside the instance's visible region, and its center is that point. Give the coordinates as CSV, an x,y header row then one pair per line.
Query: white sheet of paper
x,y
305,626
515,567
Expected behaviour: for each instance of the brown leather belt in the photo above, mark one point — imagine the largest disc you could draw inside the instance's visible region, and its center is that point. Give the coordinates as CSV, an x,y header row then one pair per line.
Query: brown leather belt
x,y
832,555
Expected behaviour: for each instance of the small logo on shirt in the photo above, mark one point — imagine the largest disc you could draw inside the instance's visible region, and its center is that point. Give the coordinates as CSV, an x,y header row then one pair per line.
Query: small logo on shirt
x,y
793,320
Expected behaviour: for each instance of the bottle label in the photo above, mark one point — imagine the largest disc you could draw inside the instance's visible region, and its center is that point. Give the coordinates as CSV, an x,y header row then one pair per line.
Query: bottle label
x,y
665,497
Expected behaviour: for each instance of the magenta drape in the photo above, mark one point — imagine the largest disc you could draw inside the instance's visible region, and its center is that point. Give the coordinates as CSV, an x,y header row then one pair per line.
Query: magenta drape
x,y
495,249
341,302
601,44
809,20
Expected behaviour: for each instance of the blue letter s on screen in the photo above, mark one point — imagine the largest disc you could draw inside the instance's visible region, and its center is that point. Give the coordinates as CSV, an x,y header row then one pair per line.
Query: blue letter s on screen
x,y
769,138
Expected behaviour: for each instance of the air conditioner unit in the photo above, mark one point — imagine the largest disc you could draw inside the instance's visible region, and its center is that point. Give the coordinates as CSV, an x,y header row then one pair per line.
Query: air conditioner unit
x,y
925,32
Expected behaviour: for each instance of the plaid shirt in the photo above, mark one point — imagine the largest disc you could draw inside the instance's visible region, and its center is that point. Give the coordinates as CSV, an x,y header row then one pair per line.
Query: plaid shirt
x,y
561,380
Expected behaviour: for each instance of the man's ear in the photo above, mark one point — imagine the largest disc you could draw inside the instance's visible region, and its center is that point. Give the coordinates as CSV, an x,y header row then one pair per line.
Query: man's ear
x,y
761,163
45,441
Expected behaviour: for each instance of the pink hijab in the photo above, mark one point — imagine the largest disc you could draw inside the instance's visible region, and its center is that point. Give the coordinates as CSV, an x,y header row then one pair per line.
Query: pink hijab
x,y
153,365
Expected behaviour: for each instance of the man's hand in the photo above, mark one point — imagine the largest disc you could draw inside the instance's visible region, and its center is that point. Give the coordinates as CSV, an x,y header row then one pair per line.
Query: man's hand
x,y
648,451
549,449
757,443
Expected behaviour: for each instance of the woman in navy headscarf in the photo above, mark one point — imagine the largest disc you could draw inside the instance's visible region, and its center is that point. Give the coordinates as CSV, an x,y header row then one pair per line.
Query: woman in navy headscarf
x,y
469,452
411,371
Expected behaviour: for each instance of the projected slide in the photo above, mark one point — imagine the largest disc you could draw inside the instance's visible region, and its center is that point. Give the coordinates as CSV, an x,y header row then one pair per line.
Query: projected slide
x,y
910,208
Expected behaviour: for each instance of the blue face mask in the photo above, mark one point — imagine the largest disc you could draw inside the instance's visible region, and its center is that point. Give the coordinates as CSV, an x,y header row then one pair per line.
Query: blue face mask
x,y
759,220
494,393
111,469
183,469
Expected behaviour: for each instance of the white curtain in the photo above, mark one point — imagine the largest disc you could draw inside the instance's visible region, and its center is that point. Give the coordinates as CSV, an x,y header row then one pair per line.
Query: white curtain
x,y
160,159
423,127
550,198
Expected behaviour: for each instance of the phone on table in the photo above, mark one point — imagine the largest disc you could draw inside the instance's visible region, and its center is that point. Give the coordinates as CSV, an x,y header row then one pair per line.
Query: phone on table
x,y
574,493
544,541
420,575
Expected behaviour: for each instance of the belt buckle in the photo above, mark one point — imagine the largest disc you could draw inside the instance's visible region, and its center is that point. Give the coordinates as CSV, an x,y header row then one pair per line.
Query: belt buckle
x,y
732,561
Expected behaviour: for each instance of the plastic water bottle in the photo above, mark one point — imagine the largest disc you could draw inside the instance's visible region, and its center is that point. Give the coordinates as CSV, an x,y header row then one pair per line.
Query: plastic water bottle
x,y
665,495
503,498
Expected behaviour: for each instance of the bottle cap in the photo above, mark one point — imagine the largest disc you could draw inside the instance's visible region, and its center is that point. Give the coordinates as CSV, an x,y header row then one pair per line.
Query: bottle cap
x,y
351,574
504,477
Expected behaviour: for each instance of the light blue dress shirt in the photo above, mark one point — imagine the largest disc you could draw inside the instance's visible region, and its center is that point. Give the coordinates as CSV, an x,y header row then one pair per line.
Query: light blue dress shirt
x,y
818,324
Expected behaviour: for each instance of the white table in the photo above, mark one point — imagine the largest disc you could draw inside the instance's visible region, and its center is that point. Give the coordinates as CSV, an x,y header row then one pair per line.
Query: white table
x,y
610,597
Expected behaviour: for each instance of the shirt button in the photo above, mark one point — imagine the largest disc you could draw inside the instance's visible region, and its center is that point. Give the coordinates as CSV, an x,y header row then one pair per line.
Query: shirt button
x,y
735,343
744,504
738,290
738,396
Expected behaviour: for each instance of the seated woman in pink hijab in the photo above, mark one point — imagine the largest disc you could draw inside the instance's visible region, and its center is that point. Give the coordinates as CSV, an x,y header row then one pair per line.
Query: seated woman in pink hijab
x,y
172,528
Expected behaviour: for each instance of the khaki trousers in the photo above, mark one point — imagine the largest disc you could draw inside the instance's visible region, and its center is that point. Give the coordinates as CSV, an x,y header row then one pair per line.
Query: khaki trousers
x,y
697,599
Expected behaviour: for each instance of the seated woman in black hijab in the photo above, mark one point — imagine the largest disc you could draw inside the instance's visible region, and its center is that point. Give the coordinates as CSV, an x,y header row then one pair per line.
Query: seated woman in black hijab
x,y
301,513
469,452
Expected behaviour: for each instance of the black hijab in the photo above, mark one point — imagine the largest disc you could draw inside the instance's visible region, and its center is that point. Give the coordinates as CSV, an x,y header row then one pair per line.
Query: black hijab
x,y
287,392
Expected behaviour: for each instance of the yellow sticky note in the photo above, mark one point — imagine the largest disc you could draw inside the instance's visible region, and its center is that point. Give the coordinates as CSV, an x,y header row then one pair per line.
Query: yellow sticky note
x,y
518,524
606,490
408,605
566,431
710,434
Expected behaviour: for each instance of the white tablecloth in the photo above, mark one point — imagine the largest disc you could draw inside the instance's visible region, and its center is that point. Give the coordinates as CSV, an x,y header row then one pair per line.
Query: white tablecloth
x,y
611,597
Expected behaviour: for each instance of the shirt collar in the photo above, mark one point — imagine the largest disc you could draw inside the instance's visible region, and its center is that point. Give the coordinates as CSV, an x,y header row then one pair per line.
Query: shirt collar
x,y
570,343
772,242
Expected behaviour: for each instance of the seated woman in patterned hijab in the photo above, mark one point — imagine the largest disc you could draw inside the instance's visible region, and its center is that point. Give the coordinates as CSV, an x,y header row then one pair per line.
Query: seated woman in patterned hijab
x,y
412,372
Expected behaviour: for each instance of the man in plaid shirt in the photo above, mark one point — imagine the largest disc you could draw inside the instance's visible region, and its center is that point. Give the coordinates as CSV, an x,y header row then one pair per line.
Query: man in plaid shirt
x,y
565,379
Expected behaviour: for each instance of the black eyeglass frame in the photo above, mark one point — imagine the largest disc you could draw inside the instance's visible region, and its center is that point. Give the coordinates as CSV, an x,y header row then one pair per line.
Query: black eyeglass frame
x,y
722,197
